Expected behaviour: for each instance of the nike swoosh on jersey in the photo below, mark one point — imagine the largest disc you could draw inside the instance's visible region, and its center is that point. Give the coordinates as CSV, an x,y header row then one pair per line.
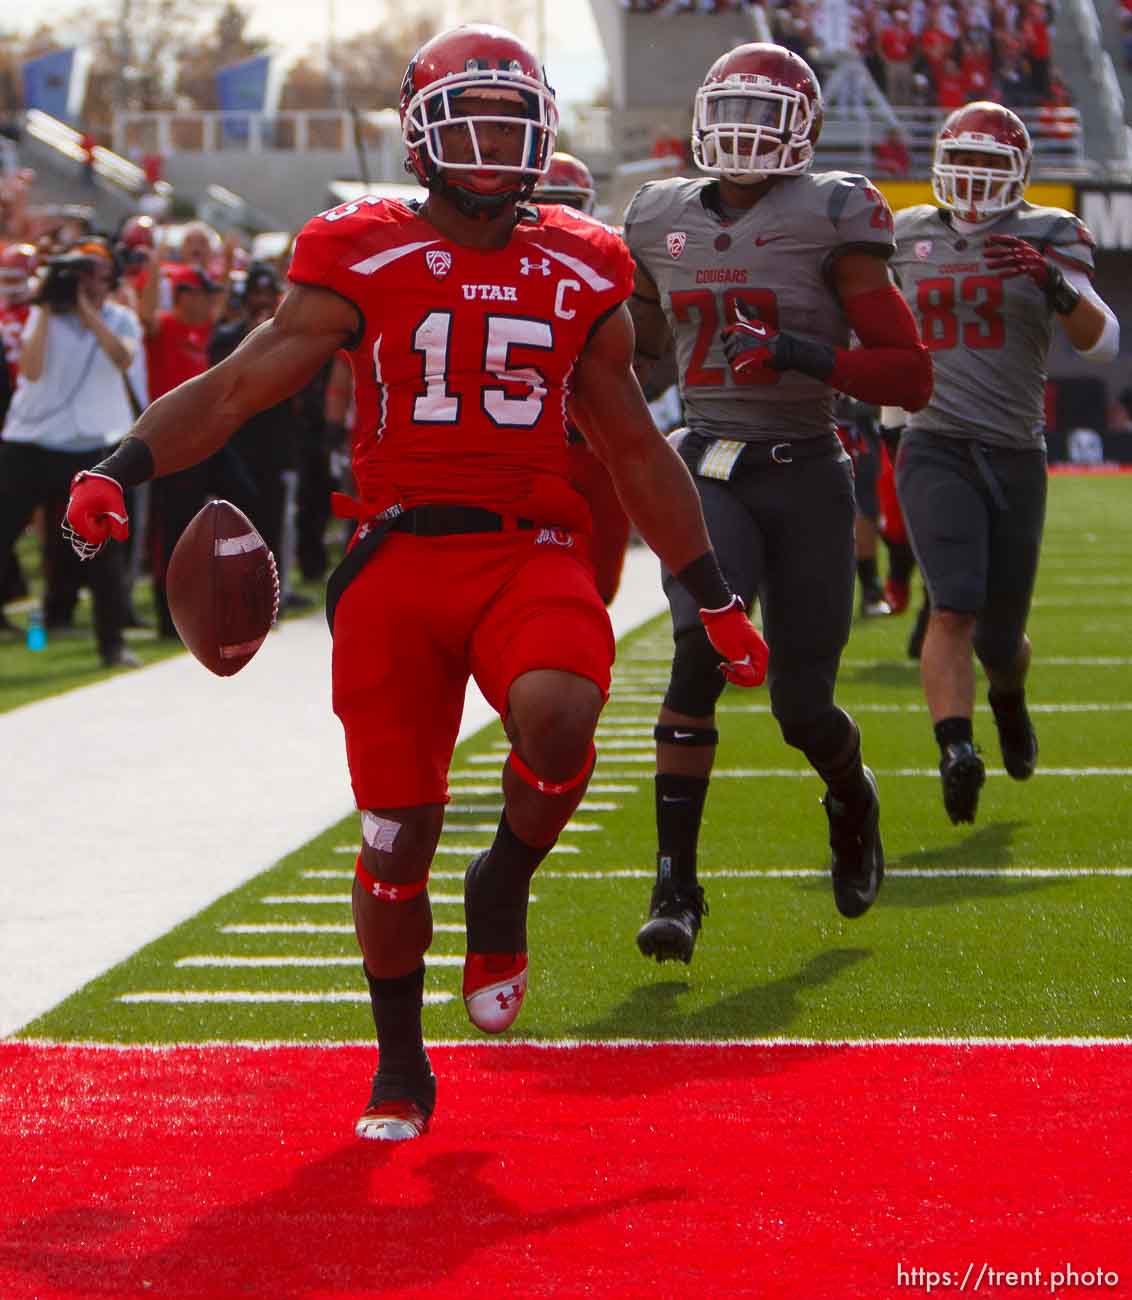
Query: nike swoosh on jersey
x,y
760,240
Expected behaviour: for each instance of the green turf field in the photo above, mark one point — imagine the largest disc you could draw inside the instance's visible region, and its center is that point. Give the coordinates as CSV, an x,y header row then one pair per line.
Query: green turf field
x,y
1016,926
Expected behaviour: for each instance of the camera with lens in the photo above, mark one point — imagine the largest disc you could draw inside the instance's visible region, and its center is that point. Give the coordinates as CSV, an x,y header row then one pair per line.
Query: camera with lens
x,y
59,291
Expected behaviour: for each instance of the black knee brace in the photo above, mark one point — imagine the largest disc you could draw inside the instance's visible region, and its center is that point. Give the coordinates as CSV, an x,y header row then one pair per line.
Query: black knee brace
x,y
696,682
690,737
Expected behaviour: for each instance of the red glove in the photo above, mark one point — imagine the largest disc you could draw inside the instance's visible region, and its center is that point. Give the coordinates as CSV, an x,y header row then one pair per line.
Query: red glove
x,y
749,347
731,632
1008,256
96,511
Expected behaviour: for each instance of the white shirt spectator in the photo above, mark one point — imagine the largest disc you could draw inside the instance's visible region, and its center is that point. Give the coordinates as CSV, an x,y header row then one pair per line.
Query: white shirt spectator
x,y
80,402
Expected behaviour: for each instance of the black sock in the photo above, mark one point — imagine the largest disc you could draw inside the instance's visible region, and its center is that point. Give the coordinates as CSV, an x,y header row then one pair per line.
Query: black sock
x,y
679,812
496,892
867,573
838,760
901,561
1007,704
396,1005
953,731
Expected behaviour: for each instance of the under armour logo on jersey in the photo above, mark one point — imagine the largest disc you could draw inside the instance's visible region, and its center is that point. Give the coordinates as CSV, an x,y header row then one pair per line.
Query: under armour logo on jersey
x,y
554,537
676,241
439,262
528,266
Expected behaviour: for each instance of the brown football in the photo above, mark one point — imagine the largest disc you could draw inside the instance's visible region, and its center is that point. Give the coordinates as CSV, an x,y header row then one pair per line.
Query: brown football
x,y
222,588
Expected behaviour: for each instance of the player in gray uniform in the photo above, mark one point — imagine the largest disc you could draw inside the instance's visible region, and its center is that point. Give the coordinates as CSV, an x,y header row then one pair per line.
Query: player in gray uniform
x,y
986,275
757,272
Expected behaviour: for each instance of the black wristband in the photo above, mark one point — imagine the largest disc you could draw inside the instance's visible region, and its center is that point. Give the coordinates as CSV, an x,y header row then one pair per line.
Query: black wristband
x,y
704,582
130,465
789,352
1060,294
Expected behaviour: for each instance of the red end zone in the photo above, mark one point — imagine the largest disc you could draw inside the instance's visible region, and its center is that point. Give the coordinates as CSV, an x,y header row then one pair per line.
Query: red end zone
x,y
782,1171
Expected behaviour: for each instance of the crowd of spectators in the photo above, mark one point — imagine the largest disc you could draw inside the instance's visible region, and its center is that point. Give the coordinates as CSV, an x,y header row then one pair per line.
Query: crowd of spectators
x,y
93,326
925,53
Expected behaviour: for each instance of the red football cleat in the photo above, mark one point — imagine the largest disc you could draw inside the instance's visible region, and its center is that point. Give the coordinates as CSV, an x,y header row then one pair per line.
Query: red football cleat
x,y
391,1121
495,984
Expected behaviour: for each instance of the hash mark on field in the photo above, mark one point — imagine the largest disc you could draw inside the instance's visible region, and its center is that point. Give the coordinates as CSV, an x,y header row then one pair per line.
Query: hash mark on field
x,y
210,960
234,996
339,900
316,927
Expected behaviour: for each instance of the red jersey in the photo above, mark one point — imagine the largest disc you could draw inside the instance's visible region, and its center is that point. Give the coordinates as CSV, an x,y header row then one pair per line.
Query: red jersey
x,y
462,371
175,353
12,322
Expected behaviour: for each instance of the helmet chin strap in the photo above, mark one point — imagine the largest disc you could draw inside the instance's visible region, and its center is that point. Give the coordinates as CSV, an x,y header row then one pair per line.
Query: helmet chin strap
x,y
479,207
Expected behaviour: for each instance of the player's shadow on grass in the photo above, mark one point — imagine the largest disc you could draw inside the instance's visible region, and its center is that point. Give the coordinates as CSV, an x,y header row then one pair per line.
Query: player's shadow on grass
x,y
761,1011
885,672
364,1220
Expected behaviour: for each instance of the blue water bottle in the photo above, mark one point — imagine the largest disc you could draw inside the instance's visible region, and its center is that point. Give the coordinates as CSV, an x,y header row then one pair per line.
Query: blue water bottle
x,y
37,633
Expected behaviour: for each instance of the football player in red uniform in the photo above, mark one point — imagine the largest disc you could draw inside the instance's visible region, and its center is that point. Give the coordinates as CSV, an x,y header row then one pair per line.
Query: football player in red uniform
x,y
471,321
568,181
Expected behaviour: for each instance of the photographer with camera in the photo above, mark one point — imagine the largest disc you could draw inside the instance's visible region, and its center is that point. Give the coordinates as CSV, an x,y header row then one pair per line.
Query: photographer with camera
x,y
70,404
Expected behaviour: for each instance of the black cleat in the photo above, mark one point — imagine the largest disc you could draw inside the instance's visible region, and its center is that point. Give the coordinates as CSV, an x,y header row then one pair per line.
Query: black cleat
x,y
858,855
963,775
919,631
674,921
1017,740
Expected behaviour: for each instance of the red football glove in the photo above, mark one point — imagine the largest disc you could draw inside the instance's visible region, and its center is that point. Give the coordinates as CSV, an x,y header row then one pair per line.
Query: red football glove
x,y
731,632
749,347
1008,256
95,512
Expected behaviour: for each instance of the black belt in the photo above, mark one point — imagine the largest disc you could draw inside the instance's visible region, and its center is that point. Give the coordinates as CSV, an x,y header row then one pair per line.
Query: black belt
x,y
443,521
755,454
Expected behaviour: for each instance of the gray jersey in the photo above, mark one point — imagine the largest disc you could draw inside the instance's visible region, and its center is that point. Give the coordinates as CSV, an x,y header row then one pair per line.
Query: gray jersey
x,y
777,260
989,338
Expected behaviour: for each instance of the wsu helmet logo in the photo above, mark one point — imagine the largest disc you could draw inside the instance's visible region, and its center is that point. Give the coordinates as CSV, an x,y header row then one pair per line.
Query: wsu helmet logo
x,y
439,262
676,241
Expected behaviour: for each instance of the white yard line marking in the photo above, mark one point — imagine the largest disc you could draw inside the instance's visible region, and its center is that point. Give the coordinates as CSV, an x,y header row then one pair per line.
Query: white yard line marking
x,y
920,707
744,772
234,996
817,873
209,961
315,927
1056,661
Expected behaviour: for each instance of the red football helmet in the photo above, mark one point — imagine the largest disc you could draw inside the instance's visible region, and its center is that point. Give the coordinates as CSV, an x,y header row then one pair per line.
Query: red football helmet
x,y
757,114
976,192
568,180
18,264
444,144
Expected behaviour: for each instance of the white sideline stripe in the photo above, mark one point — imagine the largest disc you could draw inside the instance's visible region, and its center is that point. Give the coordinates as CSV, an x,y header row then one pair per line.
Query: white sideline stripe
x,y
343,900
315,927
235,996
206,960
571,1044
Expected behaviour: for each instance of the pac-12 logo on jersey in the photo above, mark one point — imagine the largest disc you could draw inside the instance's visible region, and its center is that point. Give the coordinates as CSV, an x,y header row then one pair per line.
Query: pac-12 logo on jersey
x,y
923,248
439,262
676,241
